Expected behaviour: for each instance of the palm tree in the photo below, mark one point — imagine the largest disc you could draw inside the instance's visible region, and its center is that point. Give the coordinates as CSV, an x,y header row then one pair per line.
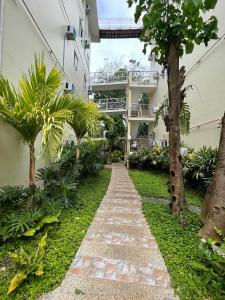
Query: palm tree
x,y
87,122
37,105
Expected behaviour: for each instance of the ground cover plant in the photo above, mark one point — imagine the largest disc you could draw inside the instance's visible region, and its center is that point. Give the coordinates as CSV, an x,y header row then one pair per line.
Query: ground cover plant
x,y
154,184
64,237
197,269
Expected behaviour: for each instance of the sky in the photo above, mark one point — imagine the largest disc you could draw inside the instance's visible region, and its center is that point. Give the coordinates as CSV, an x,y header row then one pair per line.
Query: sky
x,y
109,49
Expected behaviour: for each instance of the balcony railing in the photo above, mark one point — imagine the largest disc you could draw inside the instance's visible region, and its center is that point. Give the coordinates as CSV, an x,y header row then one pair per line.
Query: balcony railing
x,y
112,104
101,77
141,111
135,77
119,23
143,77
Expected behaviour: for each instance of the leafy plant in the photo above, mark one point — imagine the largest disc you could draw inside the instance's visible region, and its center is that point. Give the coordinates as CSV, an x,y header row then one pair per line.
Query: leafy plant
x,y
116,156
212,267
27,263
12,196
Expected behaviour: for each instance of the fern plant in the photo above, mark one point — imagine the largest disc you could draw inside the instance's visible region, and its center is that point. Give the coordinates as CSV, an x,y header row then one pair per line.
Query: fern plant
x,y
185,116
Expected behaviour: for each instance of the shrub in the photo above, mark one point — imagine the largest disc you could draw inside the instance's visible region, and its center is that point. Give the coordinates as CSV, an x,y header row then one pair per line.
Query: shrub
x,y
116,156
212,267
198,166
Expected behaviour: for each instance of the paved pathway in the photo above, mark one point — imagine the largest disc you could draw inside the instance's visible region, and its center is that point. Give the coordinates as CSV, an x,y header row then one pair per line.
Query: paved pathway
x,y
119,258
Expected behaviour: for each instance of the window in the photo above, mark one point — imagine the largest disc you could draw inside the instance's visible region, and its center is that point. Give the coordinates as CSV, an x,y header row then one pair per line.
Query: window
x,y
75,61
81,30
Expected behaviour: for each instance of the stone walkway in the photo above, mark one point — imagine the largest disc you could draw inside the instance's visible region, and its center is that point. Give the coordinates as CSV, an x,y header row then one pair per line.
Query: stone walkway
x,y
119,258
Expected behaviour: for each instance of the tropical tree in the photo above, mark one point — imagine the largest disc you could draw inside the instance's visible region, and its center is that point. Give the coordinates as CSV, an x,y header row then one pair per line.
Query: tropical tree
x,y
37,105
213,209
172,28
115,132
86,121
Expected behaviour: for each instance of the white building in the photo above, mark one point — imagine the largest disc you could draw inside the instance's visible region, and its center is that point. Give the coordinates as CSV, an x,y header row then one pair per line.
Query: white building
x,y
205,72
28,27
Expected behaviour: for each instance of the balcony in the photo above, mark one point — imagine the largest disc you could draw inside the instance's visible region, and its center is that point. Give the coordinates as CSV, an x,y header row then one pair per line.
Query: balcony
x,y
141,112
145,80
101,81
112,105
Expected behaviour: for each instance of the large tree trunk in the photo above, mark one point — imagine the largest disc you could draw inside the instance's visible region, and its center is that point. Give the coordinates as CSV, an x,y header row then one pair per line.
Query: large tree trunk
x,y
213,209
32,165
175,165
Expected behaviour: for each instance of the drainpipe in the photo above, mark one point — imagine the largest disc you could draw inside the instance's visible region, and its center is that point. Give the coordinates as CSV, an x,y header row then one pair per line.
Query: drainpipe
x,y
1,31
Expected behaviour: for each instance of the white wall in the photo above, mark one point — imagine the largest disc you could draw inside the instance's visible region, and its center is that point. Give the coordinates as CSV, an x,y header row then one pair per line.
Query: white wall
x,y
207,100
21,39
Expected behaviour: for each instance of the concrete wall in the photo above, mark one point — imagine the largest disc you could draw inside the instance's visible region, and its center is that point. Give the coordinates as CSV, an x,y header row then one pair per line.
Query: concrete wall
x,y
207,100
38,26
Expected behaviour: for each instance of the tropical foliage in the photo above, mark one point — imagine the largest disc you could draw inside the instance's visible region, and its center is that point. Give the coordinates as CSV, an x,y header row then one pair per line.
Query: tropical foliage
x,y
38,105
198,167
27,263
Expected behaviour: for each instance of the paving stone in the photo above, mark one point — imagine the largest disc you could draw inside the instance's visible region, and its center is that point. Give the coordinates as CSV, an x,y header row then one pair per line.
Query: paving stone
x,y
119,257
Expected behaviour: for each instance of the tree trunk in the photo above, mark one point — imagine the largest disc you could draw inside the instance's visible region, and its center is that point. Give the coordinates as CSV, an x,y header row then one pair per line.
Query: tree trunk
x,y
110,154
213,209
32,165
175,165
78,150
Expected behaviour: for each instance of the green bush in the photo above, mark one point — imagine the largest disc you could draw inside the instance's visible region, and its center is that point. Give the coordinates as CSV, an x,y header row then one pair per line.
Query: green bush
x,y
116,156
64,238
212,267
198,166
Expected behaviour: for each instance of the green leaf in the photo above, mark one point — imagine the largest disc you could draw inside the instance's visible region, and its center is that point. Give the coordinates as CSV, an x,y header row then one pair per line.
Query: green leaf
x,y
210,4
30,232
46,220
16,281
189,47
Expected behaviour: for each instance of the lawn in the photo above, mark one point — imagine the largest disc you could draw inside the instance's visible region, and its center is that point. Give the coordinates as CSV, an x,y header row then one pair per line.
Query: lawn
x,y
154,183
62,243
179,247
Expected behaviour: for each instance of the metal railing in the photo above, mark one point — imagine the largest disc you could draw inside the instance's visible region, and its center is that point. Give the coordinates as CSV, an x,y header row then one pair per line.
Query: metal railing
x,y
144,77
140,144
119,23
112,104
140,111
101,77
135,77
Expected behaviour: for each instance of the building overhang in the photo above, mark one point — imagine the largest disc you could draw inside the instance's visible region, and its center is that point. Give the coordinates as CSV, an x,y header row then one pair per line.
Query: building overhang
x,y
93,21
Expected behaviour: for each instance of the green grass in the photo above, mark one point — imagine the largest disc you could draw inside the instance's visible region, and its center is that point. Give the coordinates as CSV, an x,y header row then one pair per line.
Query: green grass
x,y
153,183
62,243
180,248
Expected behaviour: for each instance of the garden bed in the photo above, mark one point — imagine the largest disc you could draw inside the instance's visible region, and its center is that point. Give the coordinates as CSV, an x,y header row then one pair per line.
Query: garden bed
x,y
63,242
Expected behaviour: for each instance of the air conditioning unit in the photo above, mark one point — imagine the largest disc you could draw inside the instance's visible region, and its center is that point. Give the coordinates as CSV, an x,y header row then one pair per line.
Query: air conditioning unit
x,y
69,87
155,109
70,33
88,10
87,44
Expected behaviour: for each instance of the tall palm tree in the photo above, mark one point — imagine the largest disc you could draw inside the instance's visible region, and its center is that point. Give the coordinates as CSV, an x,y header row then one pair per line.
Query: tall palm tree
x,y
37,105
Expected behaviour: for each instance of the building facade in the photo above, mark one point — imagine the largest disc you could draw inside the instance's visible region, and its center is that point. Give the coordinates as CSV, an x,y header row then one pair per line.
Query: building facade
x,y
205,72
28,27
